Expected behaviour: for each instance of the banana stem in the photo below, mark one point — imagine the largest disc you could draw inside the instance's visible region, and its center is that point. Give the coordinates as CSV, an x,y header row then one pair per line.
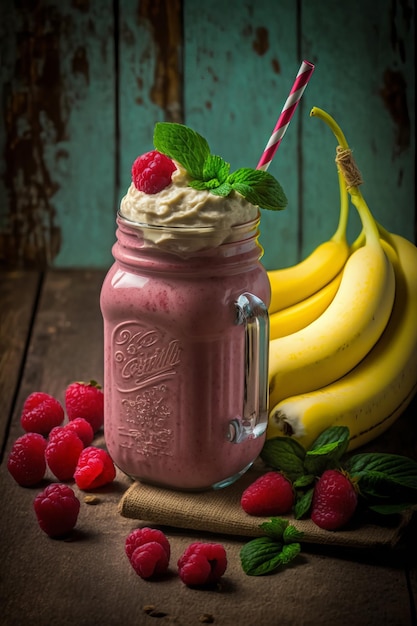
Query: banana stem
x,y
383,234
337,131
340,233
368,222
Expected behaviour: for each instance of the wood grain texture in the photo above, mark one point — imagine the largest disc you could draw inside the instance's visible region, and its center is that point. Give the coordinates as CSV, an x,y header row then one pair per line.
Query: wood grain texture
x,y
150,76
19,291
58,133
86,580
239,67
84,82
365,79
67,337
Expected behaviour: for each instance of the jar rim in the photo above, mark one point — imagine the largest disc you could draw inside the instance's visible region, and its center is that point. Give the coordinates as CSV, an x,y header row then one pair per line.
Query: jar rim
x,y
188,230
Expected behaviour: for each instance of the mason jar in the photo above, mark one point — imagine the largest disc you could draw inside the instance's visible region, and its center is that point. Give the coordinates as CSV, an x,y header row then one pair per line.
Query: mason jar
x,y
186,339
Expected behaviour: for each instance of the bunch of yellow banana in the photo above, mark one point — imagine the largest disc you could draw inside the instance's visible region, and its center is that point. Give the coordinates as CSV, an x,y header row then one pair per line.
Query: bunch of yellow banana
x,y
355,363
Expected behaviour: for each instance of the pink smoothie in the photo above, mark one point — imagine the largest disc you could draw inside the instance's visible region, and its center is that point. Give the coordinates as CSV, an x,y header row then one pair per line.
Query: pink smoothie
x,y
175,360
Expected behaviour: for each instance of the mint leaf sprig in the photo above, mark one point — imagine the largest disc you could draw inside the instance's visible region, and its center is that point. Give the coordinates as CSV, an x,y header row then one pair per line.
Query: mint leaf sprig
x,y
275,550
387,483
211,172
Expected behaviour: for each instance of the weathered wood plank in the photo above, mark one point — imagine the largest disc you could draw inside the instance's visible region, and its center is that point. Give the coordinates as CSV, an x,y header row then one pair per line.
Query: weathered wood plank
x,y
87,579
67,338
150,75
19,292
83,84
240,62
57,133
364,78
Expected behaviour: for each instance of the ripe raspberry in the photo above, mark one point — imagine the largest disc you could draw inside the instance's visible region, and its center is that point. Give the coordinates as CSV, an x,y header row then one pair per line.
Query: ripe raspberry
x,y
149,559
62,452
57,509
41,412
334,500
270,494
152,171
26,462
95,468
202,563
85,400
83,429
141,536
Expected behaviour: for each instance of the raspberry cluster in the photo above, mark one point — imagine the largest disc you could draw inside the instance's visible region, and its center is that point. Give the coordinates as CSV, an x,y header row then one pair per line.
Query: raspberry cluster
x,y
64,448
149,551
334,500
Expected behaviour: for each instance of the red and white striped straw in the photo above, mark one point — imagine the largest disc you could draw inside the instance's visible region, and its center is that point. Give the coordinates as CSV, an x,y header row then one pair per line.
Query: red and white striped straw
x,y
300,83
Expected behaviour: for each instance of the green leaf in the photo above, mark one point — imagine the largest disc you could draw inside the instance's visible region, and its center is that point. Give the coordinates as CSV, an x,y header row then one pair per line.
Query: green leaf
x,y
286,455
260,556
222,190
292,535
211,172
327,450
288,553
199,184
259,188
384,475
182,144
388,477
326,457
215,167
275,528
303,481
265,555
303,504
390,509
334,434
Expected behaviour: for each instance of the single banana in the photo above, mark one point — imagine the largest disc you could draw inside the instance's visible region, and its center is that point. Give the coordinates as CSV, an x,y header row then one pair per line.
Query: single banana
x,y
342,336
376,392
290,285
302,313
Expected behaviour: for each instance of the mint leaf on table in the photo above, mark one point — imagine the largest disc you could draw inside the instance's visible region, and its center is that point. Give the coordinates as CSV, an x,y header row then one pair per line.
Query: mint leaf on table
x,y
327,450
260,556
385,476
292,535
266,554
304,481
182,144
390,509
303,503
275,527
286,455
338,435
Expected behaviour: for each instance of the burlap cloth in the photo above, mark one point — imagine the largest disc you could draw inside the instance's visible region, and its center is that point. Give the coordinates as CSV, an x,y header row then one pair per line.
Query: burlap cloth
x,y
220,512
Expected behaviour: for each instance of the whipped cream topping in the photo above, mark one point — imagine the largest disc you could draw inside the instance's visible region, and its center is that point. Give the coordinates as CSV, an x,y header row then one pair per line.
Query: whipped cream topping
x,y
179,205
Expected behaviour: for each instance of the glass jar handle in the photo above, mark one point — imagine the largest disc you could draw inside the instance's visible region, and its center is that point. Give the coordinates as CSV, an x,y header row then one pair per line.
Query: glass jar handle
x,y
252,313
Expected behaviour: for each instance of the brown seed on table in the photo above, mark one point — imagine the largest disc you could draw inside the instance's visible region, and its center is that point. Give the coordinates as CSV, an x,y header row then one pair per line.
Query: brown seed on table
x,y
91,499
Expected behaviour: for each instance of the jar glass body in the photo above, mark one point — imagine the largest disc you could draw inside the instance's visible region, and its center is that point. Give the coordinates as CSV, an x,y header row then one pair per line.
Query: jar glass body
x,y
176,379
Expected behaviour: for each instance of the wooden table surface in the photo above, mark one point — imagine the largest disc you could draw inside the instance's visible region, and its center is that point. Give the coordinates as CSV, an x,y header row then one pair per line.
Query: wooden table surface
x,y
51,335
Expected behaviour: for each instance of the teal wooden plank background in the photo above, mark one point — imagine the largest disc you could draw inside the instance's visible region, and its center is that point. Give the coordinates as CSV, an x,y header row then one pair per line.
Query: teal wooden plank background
x,y
83,83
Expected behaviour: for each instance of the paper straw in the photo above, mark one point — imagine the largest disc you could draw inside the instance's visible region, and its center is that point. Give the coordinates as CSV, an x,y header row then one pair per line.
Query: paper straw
x,y
300,83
